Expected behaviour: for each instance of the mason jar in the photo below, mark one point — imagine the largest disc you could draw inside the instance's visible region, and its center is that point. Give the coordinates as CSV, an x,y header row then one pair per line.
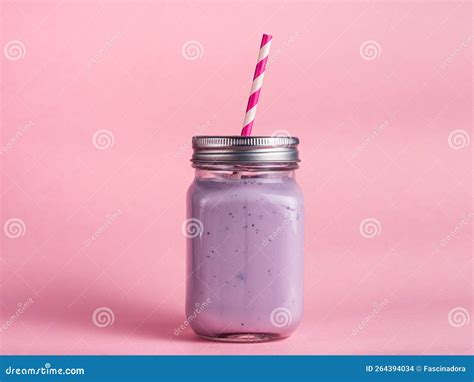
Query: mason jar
x,y
244,233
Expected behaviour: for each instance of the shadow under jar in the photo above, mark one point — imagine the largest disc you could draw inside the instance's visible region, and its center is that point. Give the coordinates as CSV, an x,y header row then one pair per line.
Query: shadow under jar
x,y
245,239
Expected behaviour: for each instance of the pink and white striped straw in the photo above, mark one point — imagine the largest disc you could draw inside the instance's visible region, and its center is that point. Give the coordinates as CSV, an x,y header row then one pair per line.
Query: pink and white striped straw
x,y
256,85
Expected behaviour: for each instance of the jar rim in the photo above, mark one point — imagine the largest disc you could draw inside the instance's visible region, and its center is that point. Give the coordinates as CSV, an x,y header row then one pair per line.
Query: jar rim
x,y
261,151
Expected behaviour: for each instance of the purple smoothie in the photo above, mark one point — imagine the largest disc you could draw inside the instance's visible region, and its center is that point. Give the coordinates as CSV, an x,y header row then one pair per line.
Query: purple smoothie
x,y
248,259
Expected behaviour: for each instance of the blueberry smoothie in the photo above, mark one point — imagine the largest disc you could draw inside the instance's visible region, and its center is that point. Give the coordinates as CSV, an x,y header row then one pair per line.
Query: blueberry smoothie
x,y
246,258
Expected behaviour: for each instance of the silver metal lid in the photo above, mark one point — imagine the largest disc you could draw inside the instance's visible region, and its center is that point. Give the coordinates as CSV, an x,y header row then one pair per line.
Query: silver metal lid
x,y
245,150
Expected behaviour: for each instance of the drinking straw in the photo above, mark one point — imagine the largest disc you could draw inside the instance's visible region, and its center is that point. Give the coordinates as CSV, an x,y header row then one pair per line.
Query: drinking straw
x,y
256,85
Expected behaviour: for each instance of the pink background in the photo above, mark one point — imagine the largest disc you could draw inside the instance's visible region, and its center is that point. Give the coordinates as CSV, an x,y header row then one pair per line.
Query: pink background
x,y
375,133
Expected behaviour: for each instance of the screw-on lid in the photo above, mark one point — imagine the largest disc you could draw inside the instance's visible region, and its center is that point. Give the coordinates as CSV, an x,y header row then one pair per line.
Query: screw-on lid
x,y
261,150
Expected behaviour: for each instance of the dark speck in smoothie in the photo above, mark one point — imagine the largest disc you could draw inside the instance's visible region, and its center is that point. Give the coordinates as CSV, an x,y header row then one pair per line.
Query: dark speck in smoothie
x,y
240,276
241,324
253,225
208,233
250,214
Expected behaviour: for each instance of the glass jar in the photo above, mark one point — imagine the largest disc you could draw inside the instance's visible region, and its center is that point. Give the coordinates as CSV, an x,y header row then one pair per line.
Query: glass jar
x,y
245,239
